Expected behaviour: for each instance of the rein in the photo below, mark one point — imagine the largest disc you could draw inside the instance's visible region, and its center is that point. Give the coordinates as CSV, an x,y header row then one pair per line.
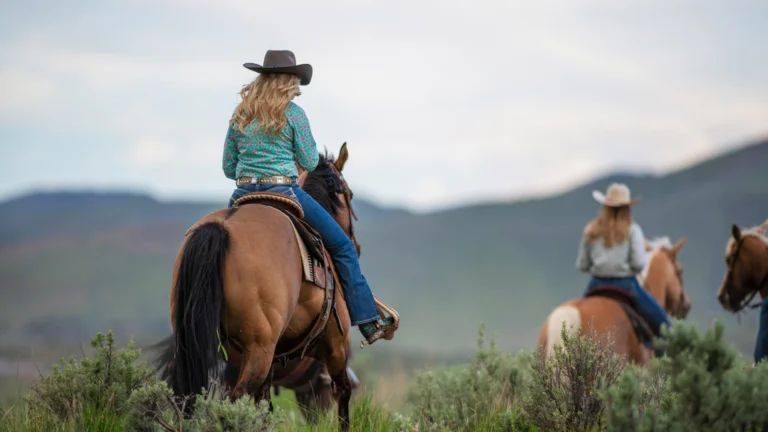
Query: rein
x,y
744,303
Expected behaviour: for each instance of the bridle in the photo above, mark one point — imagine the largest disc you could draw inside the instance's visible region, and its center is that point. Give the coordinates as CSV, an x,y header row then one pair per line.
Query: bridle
x,y
679,275
744,303
347,192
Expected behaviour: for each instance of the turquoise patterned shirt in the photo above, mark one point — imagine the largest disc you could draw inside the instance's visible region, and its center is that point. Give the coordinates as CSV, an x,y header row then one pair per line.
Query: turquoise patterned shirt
x,y
259,154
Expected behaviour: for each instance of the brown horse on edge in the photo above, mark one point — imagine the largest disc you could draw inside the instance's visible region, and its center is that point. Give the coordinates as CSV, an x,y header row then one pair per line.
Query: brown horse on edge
x,y
238,286
746,276
746,258
662,277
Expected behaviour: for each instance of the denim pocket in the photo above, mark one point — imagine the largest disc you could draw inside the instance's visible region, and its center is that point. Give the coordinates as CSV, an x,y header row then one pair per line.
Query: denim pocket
x,y
281,189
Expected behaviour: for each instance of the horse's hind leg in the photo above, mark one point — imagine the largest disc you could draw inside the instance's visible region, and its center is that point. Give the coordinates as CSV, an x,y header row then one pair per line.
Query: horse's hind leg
x,y
255,375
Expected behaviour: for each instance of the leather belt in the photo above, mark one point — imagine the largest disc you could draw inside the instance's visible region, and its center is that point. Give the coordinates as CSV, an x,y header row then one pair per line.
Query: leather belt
x,y
267,180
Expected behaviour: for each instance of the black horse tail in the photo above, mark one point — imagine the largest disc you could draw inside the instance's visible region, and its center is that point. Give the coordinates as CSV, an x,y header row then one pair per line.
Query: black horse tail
x,y
199,305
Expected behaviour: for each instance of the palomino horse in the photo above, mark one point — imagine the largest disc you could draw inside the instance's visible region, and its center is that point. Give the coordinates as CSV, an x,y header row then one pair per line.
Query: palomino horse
x,y
746,275
662,277
239,287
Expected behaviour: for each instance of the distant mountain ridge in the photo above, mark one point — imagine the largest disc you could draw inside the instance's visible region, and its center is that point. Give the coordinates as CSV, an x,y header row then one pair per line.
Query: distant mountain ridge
x,y
75,263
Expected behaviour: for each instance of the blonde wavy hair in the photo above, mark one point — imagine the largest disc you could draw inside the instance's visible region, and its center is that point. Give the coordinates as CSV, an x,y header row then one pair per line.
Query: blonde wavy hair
x,y
612,224
265,99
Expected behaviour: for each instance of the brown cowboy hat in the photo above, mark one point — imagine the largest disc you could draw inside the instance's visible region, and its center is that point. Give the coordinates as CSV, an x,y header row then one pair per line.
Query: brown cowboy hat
x,y
282,61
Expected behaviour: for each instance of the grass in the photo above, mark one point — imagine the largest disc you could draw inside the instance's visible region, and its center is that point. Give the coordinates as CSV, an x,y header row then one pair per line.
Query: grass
x,y
19,418
365,416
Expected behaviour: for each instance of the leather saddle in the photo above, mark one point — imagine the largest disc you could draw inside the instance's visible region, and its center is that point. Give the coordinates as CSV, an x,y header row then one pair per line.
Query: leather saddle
x,y
628,303
316,263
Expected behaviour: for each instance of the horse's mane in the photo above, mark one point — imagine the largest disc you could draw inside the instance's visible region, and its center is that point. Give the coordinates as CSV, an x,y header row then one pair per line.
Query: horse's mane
x,y
659,243
656,244
757,231
322,185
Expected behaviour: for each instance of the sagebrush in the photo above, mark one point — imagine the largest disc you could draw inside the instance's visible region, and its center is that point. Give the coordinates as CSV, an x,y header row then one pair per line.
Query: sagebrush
x,y
702,384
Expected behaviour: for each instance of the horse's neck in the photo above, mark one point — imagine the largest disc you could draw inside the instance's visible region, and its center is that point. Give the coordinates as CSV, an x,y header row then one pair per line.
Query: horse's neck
x,y
656,284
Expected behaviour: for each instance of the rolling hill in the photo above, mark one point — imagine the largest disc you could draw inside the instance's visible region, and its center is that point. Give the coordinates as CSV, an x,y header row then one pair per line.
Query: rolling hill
x,y
73,263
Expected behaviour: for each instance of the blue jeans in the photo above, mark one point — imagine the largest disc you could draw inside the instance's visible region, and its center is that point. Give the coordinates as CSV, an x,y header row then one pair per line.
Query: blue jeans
x,y
761,346
360,302
646,305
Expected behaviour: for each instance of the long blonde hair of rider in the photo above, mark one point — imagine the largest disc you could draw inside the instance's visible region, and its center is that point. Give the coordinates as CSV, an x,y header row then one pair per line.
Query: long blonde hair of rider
x,y
265,100
612,225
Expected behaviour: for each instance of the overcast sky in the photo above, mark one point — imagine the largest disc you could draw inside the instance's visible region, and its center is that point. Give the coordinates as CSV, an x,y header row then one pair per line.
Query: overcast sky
x,y
441,102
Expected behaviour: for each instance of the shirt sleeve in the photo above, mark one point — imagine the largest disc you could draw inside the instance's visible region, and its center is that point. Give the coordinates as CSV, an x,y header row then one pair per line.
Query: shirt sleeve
x,y
638,258
584,260
304,146
231,156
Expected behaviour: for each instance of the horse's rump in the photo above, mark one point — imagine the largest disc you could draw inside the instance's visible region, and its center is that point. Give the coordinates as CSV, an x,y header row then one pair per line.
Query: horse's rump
x,y
597,316
299,259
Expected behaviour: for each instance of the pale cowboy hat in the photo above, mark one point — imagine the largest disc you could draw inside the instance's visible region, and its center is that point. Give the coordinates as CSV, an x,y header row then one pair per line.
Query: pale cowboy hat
x,y
617,195
282,61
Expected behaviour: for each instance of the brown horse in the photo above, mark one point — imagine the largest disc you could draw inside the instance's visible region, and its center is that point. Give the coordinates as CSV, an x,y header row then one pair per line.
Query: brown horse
x,y
238,287
746,276
662,277
746,258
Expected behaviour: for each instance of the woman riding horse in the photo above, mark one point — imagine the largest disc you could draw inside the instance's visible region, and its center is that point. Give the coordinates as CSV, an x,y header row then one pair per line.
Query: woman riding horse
x,y
268,136
612,250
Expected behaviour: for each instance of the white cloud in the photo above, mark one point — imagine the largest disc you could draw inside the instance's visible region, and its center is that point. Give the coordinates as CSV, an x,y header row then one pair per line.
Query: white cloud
x,y
149,152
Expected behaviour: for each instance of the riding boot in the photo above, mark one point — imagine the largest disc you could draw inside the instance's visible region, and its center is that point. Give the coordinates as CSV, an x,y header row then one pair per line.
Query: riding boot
x,y
375,330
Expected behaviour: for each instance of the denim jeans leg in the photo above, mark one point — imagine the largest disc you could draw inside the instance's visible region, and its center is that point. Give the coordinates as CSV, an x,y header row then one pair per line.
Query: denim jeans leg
x,y
650,309
761,345
360,302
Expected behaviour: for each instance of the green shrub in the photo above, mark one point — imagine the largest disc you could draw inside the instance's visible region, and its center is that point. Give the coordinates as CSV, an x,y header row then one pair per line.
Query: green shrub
x,y
111,390
461,397
563,391
102,382
708,388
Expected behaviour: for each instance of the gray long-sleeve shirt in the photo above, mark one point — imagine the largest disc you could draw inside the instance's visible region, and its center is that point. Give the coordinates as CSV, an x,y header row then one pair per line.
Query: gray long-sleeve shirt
x,y
625,259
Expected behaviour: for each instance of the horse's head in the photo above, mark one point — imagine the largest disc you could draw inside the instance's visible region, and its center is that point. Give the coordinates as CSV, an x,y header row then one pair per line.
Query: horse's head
x,y
746,273
328,187
664,276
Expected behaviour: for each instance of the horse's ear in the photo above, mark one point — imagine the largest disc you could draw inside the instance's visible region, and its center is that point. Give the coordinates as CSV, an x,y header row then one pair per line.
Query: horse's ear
x,y
735,231
342,159
679,245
